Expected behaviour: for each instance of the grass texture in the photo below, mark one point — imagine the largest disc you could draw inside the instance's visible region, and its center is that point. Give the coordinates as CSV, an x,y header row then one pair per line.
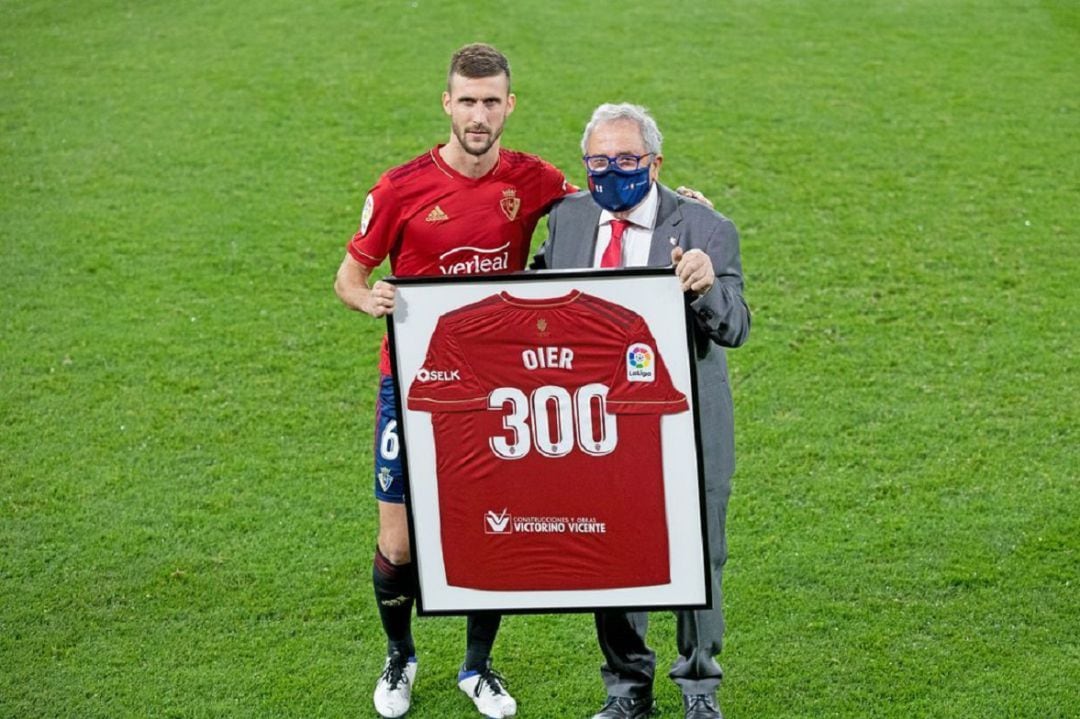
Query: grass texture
x,y
186,518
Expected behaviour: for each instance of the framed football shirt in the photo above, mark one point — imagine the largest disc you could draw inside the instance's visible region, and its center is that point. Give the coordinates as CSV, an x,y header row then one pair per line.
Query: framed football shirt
x,y
550,441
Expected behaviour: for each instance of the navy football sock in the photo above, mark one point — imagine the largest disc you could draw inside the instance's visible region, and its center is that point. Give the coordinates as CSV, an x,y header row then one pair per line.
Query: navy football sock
x,y
480,635
395,589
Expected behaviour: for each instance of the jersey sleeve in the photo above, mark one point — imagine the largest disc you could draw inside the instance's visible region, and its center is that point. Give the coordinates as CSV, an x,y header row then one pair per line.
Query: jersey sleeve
x,y
446,381
640,383
380,225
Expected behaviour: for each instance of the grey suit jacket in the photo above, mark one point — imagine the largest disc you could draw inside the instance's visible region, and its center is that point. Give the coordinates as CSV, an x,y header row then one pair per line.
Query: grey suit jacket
x,y
723,319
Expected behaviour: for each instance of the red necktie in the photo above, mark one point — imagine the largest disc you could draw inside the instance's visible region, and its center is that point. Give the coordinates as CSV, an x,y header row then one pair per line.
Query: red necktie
x,y
612,256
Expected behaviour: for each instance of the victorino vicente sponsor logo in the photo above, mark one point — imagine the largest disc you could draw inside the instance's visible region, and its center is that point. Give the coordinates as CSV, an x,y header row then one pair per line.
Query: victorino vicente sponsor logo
x,y
505,522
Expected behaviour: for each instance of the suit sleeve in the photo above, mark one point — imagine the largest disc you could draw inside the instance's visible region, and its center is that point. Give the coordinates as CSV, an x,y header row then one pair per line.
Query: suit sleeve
x,y
722,312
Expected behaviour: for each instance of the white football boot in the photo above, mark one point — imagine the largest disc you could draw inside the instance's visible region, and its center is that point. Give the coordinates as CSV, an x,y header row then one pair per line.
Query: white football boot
x,y
393,693
487,689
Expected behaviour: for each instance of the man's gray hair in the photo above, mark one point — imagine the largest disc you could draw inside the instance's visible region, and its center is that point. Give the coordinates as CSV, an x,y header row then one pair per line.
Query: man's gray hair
x,y
609,112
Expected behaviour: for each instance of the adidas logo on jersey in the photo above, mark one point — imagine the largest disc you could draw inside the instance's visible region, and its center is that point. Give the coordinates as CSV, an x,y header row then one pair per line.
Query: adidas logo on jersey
x,y
437,215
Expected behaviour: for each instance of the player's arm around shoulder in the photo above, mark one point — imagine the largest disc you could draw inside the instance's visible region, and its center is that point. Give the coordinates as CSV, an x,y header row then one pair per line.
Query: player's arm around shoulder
x,y
549,255
542,258
711,241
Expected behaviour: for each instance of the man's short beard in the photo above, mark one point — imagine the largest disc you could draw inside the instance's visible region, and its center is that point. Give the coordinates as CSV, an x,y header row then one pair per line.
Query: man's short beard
x,y
492,139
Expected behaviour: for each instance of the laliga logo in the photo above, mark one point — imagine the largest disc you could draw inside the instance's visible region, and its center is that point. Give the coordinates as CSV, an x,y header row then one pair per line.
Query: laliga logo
x,y
639,363
497,523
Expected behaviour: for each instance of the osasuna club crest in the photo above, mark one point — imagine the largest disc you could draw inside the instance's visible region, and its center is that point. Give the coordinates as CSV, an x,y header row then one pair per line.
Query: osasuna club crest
x,y
510,203
385,478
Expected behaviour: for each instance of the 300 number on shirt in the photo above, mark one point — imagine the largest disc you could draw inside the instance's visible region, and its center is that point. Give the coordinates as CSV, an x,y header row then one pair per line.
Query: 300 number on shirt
x,y
553,421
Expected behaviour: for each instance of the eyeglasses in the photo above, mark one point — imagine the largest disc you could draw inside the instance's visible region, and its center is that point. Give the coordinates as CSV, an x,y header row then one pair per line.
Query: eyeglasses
x,y
600,163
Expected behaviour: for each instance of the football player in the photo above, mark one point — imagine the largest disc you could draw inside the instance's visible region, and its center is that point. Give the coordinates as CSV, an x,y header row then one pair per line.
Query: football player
x,y
467,206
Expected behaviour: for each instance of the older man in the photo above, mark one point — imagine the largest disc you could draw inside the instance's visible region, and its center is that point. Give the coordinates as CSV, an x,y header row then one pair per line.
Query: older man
x,y
628,219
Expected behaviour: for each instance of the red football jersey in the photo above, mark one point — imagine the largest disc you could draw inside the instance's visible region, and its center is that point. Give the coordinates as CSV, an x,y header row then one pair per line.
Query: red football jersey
x,y
546,417
432,220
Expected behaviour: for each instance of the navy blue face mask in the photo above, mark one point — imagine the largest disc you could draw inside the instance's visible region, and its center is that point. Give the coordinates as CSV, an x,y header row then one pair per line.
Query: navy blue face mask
x,y
616,190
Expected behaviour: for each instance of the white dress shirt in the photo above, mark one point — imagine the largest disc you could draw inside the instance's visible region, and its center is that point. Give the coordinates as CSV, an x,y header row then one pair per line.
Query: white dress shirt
x,y
637,238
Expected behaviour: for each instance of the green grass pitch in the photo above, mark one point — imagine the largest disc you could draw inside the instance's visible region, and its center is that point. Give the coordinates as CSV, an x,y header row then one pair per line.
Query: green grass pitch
x,y
186,522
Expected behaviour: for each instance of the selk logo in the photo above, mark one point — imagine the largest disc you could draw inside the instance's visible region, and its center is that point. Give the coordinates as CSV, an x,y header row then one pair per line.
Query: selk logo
x,y
438,375
497,523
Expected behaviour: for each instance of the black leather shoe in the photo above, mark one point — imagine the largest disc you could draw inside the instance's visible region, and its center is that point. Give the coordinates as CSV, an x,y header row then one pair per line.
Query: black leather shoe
x,y
625,708
701,706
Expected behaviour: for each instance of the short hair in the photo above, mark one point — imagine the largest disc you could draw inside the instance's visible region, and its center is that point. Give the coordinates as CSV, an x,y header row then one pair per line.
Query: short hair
x,y
478,60
609,112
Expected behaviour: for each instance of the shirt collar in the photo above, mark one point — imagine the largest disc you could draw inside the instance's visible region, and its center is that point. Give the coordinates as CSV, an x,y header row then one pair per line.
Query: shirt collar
x,y
643,216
